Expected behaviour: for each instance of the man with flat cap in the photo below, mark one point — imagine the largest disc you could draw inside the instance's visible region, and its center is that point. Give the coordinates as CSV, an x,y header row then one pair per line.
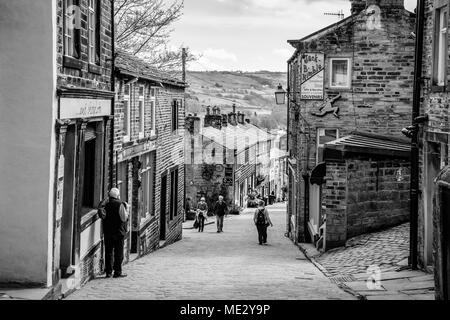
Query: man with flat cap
x,y
114,213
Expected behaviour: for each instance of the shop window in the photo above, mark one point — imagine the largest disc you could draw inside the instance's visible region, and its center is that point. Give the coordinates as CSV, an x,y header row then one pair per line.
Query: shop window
x,y
94,20
126,113
324,136
88,185
340,73
141,110
122,181
173,194
440,43
72,28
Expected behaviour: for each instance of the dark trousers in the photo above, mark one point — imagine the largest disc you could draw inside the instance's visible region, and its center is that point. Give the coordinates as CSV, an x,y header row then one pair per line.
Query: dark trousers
x,y
262,233
114,252
219,222
201,223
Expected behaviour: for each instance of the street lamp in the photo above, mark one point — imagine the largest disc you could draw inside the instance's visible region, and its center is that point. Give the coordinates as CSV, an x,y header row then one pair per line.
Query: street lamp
x,y
280,95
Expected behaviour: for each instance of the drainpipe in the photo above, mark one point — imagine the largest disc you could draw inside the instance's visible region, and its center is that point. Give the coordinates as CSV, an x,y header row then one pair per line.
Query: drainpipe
x,y
414,195
113,85
288,217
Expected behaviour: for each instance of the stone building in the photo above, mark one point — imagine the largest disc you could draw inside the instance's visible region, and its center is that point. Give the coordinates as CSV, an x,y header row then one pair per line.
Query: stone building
x,y
434,145
58,159
224,156
149,152
354,75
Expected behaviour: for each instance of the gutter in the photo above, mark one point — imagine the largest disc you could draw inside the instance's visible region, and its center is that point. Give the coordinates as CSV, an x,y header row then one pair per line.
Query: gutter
x,y
414,192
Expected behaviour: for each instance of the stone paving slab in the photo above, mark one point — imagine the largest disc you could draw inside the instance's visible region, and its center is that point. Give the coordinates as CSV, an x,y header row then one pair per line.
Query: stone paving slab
x,y
226,266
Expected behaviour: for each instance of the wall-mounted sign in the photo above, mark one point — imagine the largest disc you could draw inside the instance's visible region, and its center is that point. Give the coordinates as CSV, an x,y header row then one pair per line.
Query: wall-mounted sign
x,y
72,108
328,106
312,76
135,151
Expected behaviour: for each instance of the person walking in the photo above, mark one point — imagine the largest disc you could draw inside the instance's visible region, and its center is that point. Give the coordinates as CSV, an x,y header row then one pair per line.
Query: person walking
x,y
114,214
262,221
220,210
202,213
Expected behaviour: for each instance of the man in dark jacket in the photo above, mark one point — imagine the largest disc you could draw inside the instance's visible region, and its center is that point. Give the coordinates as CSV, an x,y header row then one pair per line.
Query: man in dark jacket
x,y
115,219
220,210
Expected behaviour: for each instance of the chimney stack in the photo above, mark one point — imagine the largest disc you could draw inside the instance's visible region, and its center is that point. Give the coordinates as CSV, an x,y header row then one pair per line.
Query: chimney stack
x,y
193,124
224,120
359,5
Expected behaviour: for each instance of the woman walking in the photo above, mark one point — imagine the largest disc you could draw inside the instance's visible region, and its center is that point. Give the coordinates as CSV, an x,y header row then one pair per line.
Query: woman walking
x,y
202,212
262,221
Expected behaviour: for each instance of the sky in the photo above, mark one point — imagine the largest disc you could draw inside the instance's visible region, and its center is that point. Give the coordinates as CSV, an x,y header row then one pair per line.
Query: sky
x,y
251,35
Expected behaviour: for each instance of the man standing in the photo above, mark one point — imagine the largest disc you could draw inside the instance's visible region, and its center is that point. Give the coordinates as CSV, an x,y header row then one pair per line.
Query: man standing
x,y
220,210
115,216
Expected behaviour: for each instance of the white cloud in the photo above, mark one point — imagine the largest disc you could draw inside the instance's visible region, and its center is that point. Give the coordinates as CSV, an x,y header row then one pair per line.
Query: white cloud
x,y
220,54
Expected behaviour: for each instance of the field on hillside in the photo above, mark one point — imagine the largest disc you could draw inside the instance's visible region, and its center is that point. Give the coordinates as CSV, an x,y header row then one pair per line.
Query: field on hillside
x,y
253,94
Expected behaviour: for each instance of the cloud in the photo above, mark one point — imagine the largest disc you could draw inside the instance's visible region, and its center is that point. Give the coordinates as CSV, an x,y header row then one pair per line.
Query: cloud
x,y
220,54
283,53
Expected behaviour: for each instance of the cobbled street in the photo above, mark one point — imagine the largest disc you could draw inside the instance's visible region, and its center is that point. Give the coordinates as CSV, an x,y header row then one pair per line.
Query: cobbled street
x,y
227,266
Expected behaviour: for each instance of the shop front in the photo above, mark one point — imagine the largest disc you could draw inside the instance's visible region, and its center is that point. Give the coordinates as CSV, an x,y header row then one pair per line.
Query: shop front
x,y
82,171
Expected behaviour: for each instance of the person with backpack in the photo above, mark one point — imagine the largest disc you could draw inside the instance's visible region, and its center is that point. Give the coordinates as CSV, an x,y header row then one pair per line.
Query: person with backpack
x,y
262,221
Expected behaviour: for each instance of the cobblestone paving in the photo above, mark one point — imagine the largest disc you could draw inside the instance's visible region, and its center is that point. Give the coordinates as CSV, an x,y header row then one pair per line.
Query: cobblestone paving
x,y
227,266
386,249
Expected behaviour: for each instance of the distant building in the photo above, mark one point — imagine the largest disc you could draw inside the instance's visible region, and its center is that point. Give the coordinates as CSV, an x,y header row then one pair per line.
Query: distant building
x,y
224,156
352,77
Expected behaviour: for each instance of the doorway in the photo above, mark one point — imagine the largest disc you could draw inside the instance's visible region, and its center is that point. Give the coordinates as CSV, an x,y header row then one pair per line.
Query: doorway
x,y
433,165
445,241
163,211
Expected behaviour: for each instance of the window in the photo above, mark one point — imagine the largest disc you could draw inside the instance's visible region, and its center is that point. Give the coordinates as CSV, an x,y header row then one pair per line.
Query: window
x,y
72,28
175,115
324,136
440,44
148,186
93,31
126,113
340,73
141,108
173,194
153,111
122,182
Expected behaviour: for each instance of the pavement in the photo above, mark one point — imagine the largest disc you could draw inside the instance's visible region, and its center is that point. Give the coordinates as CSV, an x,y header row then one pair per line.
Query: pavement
x,y
221,266
375,267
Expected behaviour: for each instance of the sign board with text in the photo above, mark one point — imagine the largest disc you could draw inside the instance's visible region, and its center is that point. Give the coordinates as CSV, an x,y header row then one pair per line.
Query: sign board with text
x,y
312,76
73,108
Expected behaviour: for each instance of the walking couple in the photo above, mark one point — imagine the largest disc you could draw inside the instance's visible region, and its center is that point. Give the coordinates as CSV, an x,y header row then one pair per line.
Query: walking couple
x,y
220,210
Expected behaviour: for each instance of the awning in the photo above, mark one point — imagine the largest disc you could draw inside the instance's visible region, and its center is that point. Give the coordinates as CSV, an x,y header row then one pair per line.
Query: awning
x,y
318,174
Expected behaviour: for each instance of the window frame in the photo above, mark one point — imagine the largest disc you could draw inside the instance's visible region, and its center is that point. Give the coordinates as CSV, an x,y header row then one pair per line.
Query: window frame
x,y
440,45
94,19
127,112
175,114
318,135
71,49
141,111
349,72
152,94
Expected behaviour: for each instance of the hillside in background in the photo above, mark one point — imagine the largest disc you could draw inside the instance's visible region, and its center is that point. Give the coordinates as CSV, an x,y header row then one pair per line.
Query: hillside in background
x,y
252,92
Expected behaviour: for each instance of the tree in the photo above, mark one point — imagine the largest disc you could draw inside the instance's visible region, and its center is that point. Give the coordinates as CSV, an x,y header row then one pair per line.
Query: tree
x,y
143,28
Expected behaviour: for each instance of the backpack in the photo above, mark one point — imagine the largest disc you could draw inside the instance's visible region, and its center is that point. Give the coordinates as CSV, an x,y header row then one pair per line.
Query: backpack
x,y
261,218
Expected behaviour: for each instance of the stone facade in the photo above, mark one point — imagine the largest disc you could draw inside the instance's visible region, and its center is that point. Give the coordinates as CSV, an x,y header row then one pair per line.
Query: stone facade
x,y
149,147
377,43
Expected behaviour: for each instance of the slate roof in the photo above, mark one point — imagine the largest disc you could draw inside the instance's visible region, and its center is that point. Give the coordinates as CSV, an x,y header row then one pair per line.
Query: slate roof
x,y
241,136
369,143
129,64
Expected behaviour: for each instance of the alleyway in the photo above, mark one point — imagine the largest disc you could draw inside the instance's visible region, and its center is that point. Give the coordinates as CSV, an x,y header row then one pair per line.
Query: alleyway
x,y
230,265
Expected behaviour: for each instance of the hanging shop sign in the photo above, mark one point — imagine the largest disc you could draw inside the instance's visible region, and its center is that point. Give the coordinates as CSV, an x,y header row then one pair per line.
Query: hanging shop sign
x,y
312,76
73,108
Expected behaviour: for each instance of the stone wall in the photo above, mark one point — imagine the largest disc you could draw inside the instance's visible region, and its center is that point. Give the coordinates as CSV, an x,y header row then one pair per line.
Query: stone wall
x,y
364,195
